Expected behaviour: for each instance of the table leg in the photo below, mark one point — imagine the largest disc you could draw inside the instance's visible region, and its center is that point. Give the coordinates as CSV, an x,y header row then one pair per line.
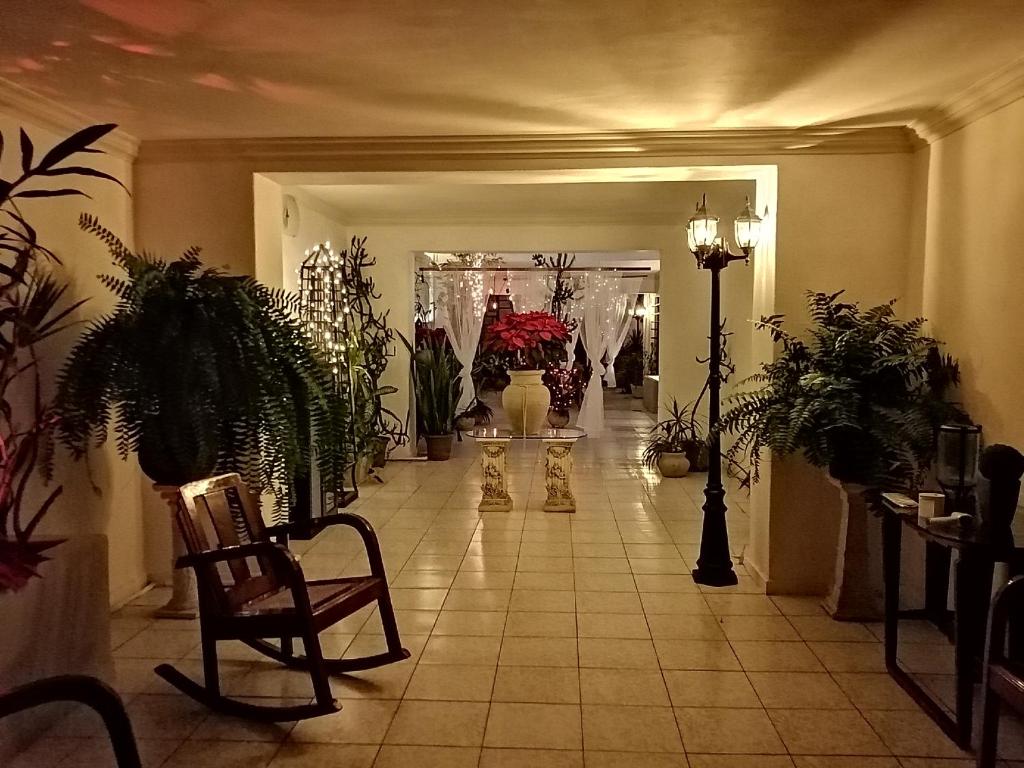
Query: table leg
x,y
182,604
936,584
972,587
494,485
892,543
557,473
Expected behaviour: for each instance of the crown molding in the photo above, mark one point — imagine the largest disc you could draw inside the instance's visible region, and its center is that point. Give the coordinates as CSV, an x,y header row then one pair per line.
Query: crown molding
x,y
300,153
53,115
981,98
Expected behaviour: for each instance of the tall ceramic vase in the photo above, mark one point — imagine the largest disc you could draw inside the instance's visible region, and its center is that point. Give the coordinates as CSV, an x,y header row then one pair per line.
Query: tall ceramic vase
x,y
857,590
526,402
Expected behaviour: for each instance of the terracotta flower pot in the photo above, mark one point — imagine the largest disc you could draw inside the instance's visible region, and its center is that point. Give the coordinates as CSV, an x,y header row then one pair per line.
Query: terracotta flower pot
x,y
526,402
673,464
439,447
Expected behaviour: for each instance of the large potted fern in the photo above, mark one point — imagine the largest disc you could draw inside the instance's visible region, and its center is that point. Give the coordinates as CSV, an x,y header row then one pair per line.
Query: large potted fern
x,y
202,372
861,397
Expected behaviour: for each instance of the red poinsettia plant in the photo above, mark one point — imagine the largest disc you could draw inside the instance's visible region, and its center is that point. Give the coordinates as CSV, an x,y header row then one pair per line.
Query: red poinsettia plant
x,y
528,340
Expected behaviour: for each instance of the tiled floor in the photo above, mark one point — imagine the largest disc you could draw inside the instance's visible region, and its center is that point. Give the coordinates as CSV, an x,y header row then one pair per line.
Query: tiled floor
x,y
541,640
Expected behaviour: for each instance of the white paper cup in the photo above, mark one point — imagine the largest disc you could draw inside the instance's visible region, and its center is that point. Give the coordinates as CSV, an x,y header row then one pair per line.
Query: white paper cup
x,y
930,505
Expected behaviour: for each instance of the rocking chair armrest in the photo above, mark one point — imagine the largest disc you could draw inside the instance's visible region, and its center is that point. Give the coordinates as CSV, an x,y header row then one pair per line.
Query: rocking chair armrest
x,y
283,562
367,534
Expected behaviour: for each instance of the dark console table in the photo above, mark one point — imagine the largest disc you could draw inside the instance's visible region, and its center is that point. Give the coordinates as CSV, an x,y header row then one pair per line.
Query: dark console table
x,y
972,585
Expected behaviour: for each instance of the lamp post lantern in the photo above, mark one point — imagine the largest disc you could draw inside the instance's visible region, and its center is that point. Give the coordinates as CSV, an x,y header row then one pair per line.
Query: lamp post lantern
x,y
714,564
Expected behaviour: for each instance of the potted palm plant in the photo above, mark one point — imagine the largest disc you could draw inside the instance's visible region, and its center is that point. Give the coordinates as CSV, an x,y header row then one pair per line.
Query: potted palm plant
x,y
198,372
676,444
861,397
438,389
528,341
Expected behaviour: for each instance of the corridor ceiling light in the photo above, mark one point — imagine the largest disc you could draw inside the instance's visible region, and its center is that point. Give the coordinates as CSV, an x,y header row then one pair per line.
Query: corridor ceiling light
x,y
639,311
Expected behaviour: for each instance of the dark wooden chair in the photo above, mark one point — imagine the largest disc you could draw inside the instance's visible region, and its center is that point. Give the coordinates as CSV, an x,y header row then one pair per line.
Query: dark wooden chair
x,y
251,589
1002,676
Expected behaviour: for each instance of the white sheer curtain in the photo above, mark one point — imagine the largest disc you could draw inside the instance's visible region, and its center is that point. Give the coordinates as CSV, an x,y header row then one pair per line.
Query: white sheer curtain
x,y
460,311
623,303
573,311
602,312
530,292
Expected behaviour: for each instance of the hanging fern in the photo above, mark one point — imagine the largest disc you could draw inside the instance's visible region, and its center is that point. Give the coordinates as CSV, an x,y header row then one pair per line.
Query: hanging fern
x,y
863,396
199,372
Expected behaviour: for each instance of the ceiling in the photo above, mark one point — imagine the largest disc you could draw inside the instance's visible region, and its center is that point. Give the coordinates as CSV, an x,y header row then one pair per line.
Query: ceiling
x,y
649,260
668,202
266,68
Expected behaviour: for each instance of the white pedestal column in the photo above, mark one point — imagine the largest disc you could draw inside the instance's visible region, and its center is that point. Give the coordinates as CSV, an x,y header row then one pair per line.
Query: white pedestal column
x,y
557,472
495,484
182,604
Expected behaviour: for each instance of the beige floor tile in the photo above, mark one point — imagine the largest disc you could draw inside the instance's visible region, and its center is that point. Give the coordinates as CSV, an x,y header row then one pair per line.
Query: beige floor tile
x,y
160,716
550,685
418,599
598,550
361,721
824,628
873,690
798,690
622,686
826,732
850,657
539,652
489,563
438,723
945,762
531,564
728,731
912,733
741,605
849,761
400,756
530,758
674,603
634,760
617,653
600,565
500,580
617,625
451,683
761,656
676,627
630,729
222,754
608,602
675,566
461,650
710,688
294,755
409,623
540,624
695,654
740,761
387,682
155,643
796,605
470,623
556,581
658,582
543,600
477,600
605,582
776,628
419,579
534,726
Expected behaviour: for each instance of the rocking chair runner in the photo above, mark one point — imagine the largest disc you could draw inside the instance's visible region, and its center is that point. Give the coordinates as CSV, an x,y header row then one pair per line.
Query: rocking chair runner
x,y
251,589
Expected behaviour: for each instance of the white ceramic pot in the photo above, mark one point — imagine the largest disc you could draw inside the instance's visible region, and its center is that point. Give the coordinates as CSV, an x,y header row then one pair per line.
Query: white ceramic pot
x,y
673,464
526,402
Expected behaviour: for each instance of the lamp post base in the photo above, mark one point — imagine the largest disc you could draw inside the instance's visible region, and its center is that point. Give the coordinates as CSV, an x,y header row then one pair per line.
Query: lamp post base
x,y
715,576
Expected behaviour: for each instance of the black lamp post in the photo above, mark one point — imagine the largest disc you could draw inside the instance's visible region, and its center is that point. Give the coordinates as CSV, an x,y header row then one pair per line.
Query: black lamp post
x,y
714,565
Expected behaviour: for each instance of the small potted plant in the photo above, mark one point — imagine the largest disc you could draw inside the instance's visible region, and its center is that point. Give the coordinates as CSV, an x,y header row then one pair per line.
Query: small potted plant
x,y
529,341
478,414
675,444
438,389
562,386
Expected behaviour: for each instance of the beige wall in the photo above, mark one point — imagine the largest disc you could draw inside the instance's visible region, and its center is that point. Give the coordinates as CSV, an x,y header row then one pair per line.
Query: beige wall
x,y
114,511
973,272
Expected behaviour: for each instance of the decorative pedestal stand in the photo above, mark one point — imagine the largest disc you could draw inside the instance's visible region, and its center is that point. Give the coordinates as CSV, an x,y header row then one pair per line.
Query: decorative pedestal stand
x,y
182,604
493,447
557,471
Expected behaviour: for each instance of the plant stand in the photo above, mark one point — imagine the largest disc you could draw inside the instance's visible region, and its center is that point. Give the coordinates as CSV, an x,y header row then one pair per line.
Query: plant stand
x,y
557,471
182,604
495,484
857,592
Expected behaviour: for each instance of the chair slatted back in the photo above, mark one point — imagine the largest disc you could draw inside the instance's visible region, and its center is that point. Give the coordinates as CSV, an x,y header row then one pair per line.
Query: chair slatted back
x,y
223,510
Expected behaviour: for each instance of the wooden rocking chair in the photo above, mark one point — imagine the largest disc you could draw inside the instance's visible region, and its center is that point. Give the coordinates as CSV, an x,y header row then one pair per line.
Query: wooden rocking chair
x,y
251,589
